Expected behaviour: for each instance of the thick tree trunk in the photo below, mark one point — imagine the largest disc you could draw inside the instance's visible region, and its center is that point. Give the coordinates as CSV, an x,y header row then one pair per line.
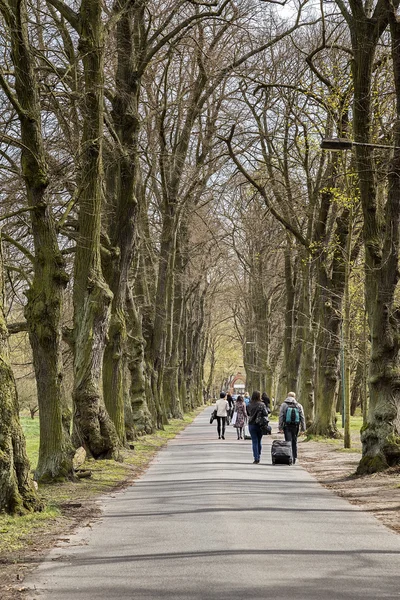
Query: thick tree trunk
x,y
17,493
130,37
163,309
93,427
43,310
142,418
381,435
330,287
172,399
305,386
288,376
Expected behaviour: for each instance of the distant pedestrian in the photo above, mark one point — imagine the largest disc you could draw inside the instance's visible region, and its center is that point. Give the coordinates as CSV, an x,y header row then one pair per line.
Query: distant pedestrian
x,y
246,398
291,421
266,401
230,409
222,407
256,409
241,416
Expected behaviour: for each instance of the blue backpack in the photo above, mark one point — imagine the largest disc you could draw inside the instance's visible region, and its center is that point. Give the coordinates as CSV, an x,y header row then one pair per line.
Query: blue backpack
x,y
292,416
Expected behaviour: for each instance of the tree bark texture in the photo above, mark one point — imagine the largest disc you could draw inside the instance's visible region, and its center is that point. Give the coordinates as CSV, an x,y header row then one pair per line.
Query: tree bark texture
x,y
173,356
17,494
141,415
130,37
330,289
305,386
381,435
288,376
93,427
43,310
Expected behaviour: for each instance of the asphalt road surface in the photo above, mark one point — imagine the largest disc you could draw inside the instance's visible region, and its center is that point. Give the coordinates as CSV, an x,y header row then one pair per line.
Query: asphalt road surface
x,y
204,523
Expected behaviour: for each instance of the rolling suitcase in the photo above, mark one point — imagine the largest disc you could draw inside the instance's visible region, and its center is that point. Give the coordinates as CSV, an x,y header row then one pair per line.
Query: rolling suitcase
x,y
281,452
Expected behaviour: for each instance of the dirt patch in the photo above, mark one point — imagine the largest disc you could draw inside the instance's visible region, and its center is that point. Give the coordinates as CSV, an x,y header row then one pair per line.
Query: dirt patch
x,y
378,494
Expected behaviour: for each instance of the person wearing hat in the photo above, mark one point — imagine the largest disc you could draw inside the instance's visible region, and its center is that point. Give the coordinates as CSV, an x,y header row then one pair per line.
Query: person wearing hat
x,y
291,421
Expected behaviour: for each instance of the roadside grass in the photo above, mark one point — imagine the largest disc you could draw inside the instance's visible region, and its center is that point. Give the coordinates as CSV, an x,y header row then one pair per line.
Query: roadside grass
x,y
356,423
21,532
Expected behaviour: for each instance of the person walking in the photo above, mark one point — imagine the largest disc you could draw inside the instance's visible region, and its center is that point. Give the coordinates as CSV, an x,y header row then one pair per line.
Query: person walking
x,y
267,402
256,409
222,407
241,416
291,421
230,409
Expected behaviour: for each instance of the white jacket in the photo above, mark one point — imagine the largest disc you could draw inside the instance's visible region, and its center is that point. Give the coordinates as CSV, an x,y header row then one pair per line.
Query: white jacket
x,y
222,406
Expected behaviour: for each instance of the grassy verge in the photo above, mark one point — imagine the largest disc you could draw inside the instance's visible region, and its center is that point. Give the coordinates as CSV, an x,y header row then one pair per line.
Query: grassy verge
x,y
356,423
22,533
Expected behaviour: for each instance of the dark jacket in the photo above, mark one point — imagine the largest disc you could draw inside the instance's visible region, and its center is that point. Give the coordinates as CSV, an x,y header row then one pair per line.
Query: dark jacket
x,y
292,402
253,409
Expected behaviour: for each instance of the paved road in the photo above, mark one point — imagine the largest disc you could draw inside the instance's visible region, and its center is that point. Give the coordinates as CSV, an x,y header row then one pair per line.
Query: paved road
x,y
204,523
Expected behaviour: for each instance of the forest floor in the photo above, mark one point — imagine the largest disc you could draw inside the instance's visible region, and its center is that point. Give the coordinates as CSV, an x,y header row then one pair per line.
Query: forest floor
x,y
327,461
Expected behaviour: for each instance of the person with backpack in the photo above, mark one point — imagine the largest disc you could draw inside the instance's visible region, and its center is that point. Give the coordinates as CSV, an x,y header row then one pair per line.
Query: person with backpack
x,y
257,413
291,421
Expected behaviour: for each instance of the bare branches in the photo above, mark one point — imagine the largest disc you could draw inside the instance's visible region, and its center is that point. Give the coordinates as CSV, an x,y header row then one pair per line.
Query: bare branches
x,y
18,245
11,96
261,191
66,11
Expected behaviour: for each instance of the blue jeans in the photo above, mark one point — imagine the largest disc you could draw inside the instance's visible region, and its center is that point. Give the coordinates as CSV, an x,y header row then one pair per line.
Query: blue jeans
x,y
256,437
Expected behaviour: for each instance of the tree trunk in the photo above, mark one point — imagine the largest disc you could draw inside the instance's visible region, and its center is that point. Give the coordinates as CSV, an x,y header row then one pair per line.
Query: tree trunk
x,y
163,309
142,418
130,39
93,427
381,436
17,493
288,377
305,387
45,297
356,389
172,399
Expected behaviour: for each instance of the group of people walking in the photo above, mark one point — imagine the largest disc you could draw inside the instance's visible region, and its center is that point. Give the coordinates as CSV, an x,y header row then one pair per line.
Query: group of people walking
x,y
253,413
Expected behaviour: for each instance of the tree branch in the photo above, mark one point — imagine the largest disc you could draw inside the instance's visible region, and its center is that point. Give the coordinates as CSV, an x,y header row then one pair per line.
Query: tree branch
x,y
17,327
11,96
19,246
70,15
288,226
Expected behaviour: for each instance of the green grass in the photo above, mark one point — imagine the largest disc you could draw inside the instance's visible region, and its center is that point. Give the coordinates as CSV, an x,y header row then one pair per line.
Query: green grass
x,y
31,431
356,423
20,532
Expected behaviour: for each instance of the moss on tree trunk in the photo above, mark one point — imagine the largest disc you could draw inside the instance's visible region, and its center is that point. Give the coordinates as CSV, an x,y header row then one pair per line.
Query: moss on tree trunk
x,y
93,427
45,296
381,435
17,493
